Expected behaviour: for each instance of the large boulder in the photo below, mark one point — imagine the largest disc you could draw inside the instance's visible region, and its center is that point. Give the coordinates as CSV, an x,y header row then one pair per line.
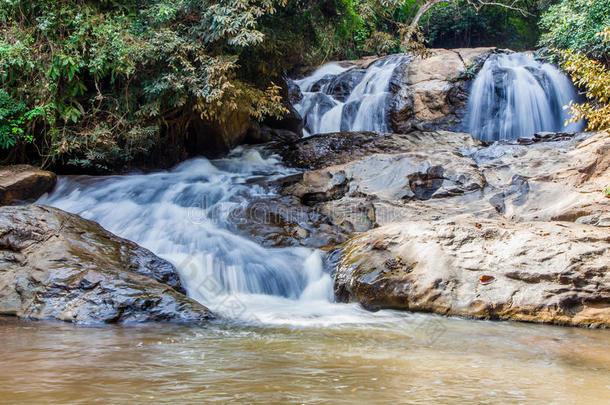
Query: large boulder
x,y
23,183
432,92
56,265
532,271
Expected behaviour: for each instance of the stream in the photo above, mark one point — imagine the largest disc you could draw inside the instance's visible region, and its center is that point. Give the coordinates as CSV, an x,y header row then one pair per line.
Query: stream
x,y
280,336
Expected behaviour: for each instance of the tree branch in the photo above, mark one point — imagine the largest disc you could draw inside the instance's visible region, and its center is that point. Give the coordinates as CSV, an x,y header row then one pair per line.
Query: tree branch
x,y
476,4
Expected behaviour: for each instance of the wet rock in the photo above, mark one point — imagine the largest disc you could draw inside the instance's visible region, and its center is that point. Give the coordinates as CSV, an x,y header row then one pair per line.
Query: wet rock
x,y
430,170
23,183
341,87
56,265
537,272
432,92
326,150
284,221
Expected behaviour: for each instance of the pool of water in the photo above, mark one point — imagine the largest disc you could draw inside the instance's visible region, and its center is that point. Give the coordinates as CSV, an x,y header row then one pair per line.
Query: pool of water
x,y
410,359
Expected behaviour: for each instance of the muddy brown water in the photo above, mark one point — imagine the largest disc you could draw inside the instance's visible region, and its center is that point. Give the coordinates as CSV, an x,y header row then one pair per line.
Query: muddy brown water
x,y
415,359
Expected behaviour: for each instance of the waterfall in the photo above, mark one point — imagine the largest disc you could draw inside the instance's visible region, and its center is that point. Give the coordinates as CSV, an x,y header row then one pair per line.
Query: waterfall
x,y
342,98
190,216
515,96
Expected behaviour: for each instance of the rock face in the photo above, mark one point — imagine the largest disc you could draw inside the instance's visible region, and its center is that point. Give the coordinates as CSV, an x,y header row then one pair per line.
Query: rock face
x,y
23,183
514,230
371,179
56,265
327,150
532,271
433,175
432,92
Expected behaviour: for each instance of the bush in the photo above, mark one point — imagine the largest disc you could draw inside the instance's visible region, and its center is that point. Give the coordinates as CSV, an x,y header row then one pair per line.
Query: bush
x,y
578,37
574,25
96,84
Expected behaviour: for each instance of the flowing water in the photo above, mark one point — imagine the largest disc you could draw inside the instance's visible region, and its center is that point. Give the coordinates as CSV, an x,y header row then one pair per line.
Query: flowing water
x,y
343,98
190,216
416,359
281,337
515,96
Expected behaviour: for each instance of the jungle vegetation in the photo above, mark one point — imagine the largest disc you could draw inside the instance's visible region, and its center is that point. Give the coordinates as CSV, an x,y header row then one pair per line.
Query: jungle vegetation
x,y
105,85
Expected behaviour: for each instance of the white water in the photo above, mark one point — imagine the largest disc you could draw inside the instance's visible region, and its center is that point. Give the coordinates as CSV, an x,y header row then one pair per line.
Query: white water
x,y
364,109
190,215
515,96
187,216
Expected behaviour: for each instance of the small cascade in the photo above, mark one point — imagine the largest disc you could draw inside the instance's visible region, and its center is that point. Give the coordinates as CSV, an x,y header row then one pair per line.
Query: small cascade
x,y
189,216
515,96
342,98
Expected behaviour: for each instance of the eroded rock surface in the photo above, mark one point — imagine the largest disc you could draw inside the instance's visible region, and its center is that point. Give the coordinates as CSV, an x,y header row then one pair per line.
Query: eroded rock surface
x,y
23,183
432,92
550,272
513,230
56,265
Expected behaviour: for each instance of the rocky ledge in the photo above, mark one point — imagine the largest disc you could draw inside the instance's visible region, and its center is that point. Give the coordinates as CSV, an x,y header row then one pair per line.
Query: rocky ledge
x,y
23,183
56,265
441,222
551,272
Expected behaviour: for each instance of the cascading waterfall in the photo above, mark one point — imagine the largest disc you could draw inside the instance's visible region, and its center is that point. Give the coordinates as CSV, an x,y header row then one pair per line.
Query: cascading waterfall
x,y
339,98
515,96
188,216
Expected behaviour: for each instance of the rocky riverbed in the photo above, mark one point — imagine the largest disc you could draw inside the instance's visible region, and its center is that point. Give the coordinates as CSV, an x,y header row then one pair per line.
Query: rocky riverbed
x,y
514,230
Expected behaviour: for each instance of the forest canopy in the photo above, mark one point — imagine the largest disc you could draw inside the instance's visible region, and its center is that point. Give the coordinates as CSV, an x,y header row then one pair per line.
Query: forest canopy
x,y
100,84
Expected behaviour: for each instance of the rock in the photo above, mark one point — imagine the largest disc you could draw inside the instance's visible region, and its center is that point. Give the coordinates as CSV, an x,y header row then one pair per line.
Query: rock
x,y
292,120
266,134
23,183
283,221
533,187
532,271
56,265
362,180
216,138
342,85
432,92
420,167
404,176
327,150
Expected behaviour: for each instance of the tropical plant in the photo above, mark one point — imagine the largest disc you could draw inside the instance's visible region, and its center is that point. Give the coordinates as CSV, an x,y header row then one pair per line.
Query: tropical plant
x,y
98,83
574,25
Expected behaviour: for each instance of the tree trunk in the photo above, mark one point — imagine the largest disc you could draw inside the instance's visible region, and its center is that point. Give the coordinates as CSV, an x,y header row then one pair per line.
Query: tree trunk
x,y
420,13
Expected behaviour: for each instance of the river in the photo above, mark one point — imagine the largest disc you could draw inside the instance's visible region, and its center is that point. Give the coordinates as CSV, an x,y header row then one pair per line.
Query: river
x,y
280,336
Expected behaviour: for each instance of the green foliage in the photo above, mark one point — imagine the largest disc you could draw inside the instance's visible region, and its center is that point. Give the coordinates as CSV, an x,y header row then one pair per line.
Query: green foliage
x,y
15,118
578,36
97,83
574,24
594,78
607,192
455,24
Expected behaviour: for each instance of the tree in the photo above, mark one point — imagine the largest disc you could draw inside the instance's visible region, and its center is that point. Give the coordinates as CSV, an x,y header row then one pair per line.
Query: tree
x,y
95,83
409,32
578,37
